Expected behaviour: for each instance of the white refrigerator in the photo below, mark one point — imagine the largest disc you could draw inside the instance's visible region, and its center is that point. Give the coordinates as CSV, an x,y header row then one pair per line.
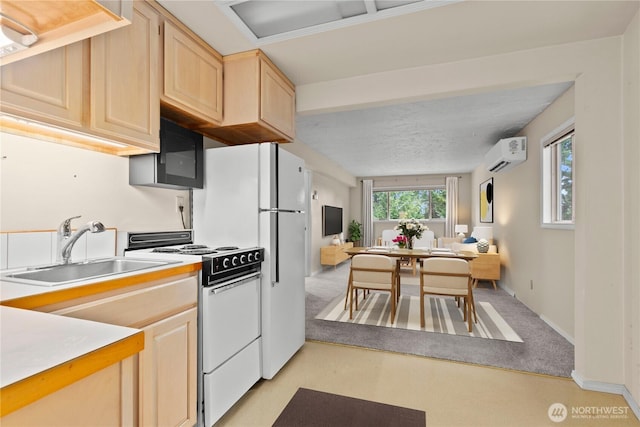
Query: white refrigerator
x,y
254,195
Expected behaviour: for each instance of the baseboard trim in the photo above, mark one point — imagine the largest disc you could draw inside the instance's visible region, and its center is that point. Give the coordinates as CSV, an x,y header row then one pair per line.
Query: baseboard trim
x,y
556,328
507,289
608,388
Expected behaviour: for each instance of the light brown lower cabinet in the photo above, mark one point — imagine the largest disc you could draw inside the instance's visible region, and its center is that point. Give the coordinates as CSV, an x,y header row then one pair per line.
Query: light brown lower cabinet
x,y
165,372
169,372
103,398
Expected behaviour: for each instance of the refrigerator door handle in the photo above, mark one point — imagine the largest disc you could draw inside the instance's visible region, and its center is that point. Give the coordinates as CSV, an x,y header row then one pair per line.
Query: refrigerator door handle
x,y
276,210
275,248
275,238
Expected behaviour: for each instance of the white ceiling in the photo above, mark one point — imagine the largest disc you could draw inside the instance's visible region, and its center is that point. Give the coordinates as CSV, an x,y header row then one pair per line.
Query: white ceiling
x,y
439,136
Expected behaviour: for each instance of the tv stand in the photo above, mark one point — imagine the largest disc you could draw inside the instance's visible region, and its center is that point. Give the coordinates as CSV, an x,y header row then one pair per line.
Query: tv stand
x,y
334,254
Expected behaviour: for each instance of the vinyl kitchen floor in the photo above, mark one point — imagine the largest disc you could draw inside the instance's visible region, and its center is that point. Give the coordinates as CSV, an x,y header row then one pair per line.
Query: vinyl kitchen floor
x,y
451,393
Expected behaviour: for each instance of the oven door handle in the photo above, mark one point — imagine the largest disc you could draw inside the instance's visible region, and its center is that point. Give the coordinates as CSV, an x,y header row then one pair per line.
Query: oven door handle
x,y
231,285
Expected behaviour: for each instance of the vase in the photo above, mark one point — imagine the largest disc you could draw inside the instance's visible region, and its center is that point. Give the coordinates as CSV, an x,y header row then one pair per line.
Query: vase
x,y
409,242
483,246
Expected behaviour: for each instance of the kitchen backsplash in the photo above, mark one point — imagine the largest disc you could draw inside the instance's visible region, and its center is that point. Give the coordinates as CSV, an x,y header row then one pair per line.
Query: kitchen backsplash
x,y
27,249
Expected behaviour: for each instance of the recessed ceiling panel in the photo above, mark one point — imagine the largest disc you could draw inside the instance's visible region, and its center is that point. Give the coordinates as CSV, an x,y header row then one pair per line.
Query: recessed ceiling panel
x,y
269,21
268,18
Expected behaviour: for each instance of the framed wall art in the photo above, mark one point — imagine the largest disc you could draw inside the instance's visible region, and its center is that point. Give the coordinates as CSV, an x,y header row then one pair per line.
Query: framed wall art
x,y
486,201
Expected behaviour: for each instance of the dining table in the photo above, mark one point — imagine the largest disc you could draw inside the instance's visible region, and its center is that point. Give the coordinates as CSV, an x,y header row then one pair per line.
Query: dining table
x,y
416,254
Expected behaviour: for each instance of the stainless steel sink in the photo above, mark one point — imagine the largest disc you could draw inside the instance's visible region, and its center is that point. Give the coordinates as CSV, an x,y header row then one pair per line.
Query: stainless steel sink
x,y
61,274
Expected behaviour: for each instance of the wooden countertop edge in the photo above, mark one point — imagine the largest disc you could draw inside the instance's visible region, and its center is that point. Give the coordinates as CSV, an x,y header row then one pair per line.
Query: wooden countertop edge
x,y
46,298
22,393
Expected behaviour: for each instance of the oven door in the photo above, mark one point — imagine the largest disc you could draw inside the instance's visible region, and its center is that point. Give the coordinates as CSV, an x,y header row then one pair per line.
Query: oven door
x,y
230,319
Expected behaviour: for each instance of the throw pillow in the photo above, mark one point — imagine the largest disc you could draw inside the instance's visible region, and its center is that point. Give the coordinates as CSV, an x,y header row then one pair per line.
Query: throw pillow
x,y
470,240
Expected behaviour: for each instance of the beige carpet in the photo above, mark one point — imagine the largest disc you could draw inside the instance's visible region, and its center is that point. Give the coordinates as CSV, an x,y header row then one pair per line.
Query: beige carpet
x,y
442,315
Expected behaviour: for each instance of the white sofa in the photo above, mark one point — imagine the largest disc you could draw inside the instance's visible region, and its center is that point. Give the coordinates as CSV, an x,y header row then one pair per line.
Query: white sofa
x,y
455,244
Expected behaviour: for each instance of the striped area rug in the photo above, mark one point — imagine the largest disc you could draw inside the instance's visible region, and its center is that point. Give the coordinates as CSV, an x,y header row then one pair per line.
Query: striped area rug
x,y
442,315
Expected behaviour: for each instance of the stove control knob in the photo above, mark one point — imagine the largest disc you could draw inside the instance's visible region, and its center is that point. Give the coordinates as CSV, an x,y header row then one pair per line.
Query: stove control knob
x,y
243,258
225,263
250,257
257,256
234,261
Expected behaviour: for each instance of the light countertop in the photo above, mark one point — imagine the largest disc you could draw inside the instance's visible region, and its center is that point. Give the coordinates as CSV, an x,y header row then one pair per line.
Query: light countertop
x,y
33,342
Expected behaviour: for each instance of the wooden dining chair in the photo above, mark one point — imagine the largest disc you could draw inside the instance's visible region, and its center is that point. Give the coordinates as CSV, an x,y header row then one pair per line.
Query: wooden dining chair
x,y
372,272
447,277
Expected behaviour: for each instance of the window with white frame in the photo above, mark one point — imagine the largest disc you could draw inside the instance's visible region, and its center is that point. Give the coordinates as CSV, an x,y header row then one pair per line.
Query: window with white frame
x,y
558,184
423,203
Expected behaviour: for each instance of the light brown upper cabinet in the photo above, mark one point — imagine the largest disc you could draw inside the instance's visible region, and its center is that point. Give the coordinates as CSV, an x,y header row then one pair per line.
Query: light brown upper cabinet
x,y
125,98
46,88
192,78
259,102
61,23
100,94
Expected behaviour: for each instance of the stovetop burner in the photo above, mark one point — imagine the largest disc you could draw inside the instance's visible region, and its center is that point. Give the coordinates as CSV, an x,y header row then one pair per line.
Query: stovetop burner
x,y
199,251
189,247
167,250
187,250
227,248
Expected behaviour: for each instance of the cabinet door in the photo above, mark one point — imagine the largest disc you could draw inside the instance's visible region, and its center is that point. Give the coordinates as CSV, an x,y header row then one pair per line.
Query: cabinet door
x,y
104,398
125,100
192,76
277,100
486,266
168,372
47,88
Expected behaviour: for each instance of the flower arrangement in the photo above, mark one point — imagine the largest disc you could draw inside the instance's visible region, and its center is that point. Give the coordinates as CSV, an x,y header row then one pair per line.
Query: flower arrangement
x,y
401,241
410,228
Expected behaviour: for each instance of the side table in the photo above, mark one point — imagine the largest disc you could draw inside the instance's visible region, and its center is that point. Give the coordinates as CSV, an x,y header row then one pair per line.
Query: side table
x,y
486,267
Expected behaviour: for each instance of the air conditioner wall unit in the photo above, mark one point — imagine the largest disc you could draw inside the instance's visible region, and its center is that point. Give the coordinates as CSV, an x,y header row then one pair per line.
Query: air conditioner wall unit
x,y
506,154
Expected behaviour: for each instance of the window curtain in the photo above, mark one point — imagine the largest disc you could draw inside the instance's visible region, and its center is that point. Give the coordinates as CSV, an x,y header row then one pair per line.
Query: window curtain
x,y
367,212
451,183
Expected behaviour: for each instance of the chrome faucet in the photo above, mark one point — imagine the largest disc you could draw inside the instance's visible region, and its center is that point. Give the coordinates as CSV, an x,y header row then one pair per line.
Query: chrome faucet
x,y
66,239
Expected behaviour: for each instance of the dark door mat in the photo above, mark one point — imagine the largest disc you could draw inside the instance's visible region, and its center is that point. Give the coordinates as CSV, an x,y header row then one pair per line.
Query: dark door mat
x,y
310,408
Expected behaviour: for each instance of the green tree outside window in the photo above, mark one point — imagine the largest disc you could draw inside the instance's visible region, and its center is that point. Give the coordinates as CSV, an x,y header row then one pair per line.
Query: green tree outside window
x,y
419,204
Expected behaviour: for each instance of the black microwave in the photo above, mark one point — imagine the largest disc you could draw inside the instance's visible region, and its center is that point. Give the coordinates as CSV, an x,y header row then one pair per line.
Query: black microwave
x,y
179,164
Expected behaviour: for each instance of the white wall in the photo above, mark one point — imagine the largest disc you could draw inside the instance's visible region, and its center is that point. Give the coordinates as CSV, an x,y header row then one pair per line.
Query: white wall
x,y
631,156
43,183
530,254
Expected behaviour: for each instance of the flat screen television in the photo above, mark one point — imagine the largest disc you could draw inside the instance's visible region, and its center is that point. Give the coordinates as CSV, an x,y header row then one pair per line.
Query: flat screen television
x,y
331,220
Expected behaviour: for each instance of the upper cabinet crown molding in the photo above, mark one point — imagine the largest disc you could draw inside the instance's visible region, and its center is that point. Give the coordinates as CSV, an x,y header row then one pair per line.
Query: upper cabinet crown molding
x,y
59,23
